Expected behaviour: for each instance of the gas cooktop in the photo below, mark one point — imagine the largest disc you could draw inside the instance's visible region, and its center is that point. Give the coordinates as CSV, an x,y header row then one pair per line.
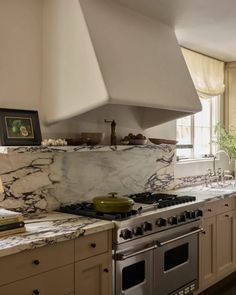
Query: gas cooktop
x,y
145,202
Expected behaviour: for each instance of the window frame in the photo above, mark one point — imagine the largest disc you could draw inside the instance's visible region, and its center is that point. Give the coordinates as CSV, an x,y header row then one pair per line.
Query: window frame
x,y
194,157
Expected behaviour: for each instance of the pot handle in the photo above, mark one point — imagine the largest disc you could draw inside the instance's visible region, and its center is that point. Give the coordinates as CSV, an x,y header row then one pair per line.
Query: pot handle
x,y
113,194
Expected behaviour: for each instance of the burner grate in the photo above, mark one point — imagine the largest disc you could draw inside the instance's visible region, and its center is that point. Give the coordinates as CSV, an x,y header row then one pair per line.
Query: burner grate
x,y
161,199
87,209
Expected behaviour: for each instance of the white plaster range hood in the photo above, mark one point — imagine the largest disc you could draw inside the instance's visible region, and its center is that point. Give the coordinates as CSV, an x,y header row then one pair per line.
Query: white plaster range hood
x,y
104,53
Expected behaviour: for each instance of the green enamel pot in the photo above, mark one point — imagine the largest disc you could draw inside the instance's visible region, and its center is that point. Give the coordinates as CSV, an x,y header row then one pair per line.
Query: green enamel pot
x,y
113,204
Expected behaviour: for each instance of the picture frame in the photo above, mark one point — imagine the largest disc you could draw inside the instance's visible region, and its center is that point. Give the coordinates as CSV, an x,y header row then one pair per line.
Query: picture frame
x,y
19,127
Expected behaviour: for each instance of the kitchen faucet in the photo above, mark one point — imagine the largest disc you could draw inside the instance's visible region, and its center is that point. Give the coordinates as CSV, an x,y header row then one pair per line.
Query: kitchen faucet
x,y
219,176
214,160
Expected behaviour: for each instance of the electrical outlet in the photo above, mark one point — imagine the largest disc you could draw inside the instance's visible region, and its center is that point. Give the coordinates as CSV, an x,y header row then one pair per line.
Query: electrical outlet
x,y
1,186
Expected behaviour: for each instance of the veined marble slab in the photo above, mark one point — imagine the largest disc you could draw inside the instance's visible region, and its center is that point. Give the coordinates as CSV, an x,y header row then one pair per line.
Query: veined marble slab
x,y
48,229
39,179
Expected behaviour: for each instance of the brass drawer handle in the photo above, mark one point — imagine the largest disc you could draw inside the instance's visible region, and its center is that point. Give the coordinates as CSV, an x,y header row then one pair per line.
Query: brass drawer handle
x,y
93,245
209,210
36,261
226,205
203,232
36,292
226,215
106,270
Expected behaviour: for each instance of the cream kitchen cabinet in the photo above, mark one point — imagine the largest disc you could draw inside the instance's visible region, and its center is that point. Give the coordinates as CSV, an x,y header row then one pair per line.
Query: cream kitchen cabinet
x,y
93,268
217,243
82,266
225,241
207,253
58,282
92,276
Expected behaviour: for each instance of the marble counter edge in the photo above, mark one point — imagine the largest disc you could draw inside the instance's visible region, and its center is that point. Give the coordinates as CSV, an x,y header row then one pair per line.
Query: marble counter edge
x,y
82,148
22,242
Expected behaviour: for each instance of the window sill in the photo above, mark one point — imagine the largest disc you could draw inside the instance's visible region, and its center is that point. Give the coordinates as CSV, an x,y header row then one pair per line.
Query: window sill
x,y
199,160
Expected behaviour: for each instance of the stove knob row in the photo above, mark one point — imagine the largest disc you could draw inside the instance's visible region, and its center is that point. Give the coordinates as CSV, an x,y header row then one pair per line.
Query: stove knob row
x,y
137,231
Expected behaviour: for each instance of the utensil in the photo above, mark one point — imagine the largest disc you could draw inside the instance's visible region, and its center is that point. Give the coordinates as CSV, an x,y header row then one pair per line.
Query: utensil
x,y
113,204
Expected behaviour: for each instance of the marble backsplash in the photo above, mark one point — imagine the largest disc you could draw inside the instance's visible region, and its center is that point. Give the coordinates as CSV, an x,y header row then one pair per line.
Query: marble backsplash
x,y
37,179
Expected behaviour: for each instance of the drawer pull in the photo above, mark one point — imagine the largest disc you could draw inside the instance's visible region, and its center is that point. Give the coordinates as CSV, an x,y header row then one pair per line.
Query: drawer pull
x,y
93,245
209,210
36,292
203,232
226,215
36,262
106,270
226,205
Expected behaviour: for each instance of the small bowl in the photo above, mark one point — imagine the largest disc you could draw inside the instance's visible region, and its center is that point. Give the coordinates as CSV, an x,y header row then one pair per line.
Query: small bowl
x,y
92,138
162,141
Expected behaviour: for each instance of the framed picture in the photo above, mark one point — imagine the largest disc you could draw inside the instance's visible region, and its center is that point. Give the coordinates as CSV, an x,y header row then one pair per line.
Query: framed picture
x,y
19,127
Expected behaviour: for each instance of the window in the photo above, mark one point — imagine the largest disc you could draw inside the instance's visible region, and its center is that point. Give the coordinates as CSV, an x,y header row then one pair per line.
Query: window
x,y
195,134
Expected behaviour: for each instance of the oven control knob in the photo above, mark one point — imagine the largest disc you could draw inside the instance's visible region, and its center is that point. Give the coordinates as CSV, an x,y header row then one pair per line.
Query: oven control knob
x,y
161,222
147,226
138,231
126,234
190,214
173,220
199,213
182,218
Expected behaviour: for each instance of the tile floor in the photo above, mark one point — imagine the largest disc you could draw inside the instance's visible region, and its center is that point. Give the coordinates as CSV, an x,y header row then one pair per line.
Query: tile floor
x,y
225,287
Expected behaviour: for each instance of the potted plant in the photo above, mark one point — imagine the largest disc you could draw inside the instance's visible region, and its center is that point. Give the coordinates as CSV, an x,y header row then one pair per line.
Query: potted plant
x,y
226,139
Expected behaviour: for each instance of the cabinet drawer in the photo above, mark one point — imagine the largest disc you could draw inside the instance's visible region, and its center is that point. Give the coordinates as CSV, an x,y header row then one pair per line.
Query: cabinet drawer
x,y
33,262
210,209
91,245
226,204
59,282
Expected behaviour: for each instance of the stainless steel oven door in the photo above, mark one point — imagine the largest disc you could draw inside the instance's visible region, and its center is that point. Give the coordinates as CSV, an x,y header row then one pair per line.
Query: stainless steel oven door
x,y
176,262
133,272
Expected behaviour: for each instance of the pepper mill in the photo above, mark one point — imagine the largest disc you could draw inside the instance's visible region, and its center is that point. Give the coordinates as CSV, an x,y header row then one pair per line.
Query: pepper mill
x,y
113,131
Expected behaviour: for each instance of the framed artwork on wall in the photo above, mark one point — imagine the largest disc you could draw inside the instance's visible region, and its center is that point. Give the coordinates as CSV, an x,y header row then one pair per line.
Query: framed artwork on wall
x,y
19,127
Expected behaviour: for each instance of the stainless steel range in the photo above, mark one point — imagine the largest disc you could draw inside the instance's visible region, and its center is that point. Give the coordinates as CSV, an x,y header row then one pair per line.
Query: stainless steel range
x,y
155,247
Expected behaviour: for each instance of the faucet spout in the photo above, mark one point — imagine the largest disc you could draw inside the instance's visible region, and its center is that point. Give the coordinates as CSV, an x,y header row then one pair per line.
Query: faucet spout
x,y
215,156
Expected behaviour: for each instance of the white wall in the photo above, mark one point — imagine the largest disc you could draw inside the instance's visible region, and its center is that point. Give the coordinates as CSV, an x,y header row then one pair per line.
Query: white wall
x,y
20,53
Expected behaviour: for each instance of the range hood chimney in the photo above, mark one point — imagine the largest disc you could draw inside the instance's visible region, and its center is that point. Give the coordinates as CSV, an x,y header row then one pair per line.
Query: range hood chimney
x,y
138,62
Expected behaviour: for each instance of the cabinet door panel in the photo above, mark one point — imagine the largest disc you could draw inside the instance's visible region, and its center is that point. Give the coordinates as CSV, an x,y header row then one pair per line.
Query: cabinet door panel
x,y
93,276
59,282
207,253
225,243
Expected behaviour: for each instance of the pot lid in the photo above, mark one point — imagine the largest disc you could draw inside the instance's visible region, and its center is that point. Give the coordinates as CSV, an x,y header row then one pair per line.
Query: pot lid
x,y
113,199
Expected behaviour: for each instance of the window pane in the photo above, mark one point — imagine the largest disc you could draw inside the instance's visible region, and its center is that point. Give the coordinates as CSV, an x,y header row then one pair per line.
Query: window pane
x,y
203,118
184,130
201,141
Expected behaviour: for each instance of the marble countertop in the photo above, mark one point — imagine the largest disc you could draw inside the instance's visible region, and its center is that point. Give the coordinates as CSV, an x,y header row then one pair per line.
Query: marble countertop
x,y
50,228
207,194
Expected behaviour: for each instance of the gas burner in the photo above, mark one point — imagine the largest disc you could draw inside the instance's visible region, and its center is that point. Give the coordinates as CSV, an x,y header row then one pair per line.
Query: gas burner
x,y
87,209
161,200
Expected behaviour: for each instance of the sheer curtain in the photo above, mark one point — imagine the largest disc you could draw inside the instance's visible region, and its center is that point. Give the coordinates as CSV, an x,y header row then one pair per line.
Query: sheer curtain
x,y
207,73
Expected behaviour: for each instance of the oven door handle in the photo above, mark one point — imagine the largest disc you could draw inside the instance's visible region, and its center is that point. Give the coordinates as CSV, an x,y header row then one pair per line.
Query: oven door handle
x,y
120,256
196,231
